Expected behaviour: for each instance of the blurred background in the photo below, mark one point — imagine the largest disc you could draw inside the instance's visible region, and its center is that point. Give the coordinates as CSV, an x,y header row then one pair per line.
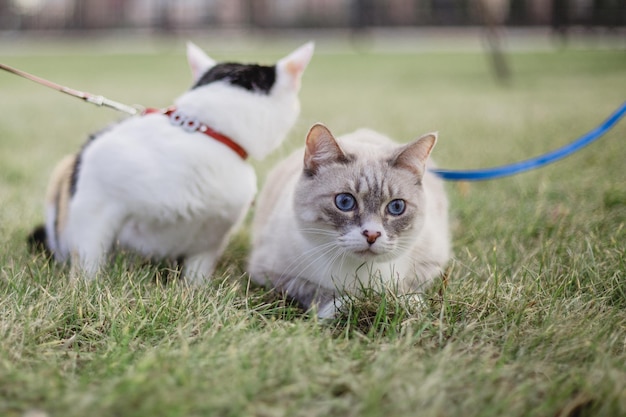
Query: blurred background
x,y
177,15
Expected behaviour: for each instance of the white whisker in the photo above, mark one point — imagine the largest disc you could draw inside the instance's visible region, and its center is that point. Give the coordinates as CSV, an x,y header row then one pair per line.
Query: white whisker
x,y
324,232
308,259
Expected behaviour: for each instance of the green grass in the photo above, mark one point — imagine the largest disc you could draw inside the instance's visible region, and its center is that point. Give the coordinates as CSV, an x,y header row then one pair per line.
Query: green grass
x,y
530,321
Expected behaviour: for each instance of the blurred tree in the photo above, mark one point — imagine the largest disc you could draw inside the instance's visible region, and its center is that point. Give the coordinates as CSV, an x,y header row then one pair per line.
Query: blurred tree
x,y
362,14
494,14
78,18
164,20
610,13
560,20
450,12
6,14
258,13
518,12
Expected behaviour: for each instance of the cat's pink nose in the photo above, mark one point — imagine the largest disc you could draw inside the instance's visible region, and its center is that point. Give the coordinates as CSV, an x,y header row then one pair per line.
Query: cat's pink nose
x,y
371,236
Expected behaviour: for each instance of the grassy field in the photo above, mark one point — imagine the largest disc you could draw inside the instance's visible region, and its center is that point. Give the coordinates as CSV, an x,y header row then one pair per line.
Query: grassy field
x,y
531,320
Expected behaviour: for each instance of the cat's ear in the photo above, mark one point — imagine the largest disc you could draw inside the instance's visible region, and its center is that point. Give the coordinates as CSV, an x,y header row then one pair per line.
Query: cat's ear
x,y
414,155
199,62
294,64
321,148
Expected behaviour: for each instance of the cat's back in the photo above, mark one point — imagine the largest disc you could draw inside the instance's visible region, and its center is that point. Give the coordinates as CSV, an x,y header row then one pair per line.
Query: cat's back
x,y
277,192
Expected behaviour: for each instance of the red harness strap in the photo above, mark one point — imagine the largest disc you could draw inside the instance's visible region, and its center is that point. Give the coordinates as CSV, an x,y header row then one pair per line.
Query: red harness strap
x,y
193,125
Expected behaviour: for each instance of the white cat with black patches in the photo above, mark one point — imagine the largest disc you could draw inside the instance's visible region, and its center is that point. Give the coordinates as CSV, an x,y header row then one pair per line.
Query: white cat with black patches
x,y
172,184
348,213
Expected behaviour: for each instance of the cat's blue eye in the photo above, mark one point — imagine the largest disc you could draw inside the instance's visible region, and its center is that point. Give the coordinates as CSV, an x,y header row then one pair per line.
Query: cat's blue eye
x,y
396,207
345,202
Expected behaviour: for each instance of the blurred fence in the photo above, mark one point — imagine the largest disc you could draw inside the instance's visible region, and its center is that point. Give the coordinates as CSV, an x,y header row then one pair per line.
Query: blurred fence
x,y
172,15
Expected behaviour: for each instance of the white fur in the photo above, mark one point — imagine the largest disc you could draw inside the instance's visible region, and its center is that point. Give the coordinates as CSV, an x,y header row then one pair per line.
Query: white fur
x,y
152,187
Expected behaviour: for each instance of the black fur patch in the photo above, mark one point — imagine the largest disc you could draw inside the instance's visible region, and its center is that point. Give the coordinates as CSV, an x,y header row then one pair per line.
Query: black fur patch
x,y
37,240
345,159
79,157
74,176
252,77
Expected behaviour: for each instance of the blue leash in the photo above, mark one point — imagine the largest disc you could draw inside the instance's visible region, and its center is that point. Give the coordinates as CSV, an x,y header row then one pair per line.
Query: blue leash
x,y
537,162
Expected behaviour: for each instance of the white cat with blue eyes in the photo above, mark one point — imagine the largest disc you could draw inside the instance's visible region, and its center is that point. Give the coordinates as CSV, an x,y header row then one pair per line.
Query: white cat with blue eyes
x,y
347,213
174,183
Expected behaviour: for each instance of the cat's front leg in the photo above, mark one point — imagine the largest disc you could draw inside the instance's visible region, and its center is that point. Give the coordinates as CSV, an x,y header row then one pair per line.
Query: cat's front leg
x,y
91,231
86,260
330,309
82,267
199,268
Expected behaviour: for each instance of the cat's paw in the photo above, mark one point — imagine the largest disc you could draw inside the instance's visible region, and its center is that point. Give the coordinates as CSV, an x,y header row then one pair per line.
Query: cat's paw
x,y
330,309
327,311
414,300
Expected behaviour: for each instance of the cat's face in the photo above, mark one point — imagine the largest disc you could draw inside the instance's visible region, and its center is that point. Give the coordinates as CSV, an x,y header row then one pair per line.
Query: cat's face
x,y
368,206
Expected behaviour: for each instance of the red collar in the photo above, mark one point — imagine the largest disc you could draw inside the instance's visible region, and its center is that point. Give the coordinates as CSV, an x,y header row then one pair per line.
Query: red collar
x,y
191,124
